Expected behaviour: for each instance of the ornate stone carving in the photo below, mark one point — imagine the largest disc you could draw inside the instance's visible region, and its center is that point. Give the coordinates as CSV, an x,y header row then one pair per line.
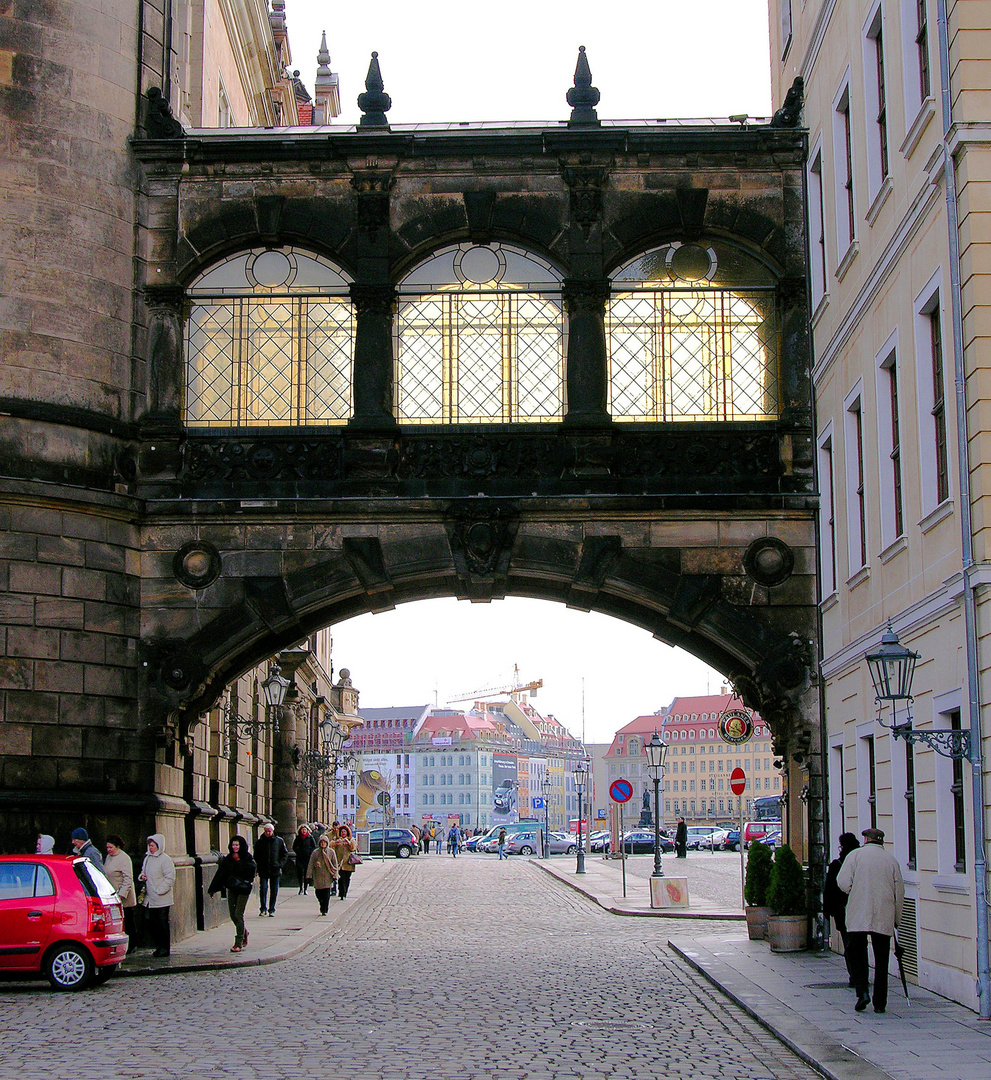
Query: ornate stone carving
x,y
585,184
197,564
769,561
583,96
586,296
790,113
374,300
372,189
159,121
479,457
481,538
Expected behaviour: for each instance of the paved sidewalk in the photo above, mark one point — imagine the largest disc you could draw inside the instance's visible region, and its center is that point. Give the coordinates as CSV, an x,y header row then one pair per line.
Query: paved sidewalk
x,y
804,999
296,925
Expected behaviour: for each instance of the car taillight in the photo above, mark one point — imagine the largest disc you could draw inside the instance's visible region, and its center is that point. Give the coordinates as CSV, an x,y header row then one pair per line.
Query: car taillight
x,y
97,916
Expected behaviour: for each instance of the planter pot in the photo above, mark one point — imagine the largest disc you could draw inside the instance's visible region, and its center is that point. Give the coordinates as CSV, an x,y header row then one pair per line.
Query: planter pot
x,y
787,933
757,922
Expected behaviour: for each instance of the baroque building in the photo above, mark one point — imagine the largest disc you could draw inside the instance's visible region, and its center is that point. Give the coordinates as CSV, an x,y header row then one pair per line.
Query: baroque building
x,y
898,172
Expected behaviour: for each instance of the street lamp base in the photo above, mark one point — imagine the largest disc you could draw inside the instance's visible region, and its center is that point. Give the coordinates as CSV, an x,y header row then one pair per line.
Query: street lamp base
x,y
580,869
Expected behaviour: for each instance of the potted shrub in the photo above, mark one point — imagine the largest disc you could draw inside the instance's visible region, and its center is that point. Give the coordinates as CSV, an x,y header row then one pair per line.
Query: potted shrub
x,y
755,890
787,926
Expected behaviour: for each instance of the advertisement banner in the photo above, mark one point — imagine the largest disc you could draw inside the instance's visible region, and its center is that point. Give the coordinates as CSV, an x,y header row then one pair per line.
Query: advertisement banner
x,y
376,779
505,789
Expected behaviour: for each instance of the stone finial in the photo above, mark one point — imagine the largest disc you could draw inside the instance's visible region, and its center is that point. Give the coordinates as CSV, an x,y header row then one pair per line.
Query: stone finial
x,y
326,87
323,56
374,102
583,96
790,113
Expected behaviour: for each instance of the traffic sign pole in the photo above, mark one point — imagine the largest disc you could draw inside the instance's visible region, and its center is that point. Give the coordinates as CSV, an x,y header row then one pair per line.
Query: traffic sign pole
x,y
738,785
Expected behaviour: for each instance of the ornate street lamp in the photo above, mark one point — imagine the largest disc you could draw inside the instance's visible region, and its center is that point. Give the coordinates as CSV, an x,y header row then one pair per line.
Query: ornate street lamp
x,y
657,751
581,776
892,669
545,787
274,688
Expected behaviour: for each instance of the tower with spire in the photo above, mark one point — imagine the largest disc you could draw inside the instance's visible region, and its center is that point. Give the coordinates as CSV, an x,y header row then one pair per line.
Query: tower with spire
x,y
326,92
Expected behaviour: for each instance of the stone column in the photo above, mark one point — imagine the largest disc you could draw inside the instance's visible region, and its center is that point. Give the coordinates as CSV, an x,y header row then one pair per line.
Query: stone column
x,y
284,787
588,363
165,376
374,365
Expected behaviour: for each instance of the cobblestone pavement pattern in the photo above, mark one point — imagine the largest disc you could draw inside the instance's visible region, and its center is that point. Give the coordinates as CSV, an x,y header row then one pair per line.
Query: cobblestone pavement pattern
x,y
455,970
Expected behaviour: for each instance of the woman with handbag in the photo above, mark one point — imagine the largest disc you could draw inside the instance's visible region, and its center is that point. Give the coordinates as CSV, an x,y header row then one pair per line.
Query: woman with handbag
x,y
322,871
347,859
234,878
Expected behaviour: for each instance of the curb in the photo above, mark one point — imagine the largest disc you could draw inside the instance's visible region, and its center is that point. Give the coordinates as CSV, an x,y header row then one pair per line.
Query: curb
x,y
677,913
817,1049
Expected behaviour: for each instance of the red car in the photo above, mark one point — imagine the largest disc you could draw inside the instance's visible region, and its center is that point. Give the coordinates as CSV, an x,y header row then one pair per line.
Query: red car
x,y
59,918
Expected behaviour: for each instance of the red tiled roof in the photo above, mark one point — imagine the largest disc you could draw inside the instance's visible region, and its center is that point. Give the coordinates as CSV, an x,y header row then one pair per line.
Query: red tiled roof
x,y
645,726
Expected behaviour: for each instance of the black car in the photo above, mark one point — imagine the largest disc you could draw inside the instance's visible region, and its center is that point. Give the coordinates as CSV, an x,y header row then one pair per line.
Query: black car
x,y
398,842
641,842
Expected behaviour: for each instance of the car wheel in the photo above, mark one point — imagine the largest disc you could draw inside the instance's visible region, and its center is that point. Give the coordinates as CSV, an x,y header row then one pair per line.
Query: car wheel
x,y
69,967
526,850
403,851
103,973
571,850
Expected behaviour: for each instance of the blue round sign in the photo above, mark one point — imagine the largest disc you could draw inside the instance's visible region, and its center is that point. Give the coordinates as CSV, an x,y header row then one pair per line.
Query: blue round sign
x,y
621,791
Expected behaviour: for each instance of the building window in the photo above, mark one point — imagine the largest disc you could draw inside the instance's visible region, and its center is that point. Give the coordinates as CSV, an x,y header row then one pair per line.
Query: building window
x,y
890,436
817,229
269,342
910,805
692,336
480,339
939,404
876,103
827,513
956,793
871,780
856,498
843,145
786,27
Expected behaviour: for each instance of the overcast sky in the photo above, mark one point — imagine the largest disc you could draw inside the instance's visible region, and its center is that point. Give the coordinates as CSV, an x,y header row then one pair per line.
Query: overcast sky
x,y
515,61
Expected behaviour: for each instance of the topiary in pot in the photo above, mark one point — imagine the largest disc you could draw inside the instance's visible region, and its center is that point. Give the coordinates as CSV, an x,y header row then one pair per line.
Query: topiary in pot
x,y
755,890
787,927
758,875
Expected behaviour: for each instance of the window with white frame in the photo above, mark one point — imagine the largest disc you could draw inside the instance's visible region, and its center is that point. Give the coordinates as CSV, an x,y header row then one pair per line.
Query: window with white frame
x,y
827,511
889,445
856,503
875,102
915,56
817,229
786,26
931,385
843,156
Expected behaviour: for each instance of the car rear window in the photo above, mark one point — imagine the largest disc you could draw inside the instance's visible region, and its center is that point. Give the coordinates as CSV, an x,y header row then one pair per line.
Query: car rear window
x,y
94,881
16,881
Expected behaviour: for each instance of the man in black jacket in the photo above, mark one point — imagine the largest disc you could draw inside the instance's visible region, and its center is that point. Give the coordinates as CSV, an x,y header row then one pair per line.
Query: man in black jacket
x,y
271,855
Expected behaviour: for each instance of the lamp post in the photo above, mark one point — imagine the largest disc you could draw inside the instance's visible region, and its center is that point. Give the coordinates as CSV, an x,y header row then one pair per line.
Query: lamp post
x,y
545,787
274,688
657,751
581,775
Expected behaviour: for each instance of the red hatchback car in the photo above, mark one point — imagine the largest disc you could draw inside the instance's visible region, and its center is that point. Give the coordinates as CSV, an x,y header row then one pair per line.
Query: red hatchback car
x,y
59,918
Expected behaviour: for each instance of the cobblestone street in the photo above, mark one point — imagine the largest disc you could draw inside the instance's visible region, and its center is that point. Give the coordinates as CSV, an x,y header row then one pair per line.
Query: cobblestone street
x,y
466,968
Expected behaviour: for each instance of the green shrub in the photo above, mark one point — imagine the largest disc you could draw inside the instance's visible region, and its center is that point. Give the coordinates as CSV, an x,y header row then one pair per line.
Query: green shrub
x,y
786,894
758,875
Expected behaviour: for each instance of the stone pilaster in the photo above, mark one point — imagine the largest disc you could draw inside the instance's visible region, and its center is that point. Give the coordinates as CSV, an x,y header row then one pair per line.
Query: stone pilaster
x,y
588,364
374,373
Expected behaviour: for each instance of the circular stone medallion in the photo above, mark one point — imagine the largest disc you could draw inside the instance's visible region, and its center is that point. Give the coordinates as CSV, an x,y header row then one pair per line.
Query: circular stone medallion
x,y
691,262
769,561
197,564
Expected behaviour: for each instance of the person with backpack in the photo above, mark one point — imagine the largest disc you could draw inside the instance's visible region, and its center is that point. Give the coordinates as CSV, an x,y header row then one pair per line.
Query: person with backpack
x,y
454,840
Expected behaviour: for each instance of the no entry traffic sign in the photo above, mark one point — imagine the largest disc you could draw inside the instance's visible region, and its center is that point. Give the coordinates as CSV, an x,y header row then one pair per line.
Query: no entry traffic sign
x,y
738,781
621,791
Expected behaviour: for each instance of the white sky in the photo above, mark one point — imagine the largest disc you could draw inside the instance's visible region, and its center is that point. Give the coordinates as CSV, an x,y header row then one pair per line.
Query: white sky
x,y
516,61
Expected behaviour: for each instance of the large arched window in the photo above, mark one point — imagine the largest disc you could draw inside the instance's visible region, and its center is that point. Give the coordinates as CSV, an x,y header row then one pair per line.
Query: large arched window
x,y
480,339
693,335
269,342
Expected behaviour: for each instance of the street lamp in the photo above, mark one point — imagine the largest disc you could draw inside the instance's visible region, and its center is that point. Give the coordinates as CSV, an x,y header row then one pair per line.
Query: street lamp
x,y
657,751
274,688
545,787
581,776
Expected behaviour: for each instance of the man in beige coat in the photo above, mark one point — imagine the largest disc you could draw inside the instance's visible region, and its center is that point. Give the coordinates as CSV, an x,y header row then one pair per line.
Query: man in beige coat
x,y
873,879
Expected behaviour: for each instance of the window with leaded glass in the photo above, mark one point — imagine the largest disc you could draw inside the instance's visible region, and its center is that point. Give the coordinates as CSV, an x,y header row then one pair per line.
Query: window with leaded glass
x,y
480,338
693,335
269,342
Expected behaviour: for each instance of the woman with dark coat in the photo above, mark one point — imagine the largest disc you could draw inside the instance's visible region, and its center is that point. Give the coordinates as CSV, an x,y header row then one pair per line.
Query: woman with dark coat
x,y
234,878
322,870
303,847
834,899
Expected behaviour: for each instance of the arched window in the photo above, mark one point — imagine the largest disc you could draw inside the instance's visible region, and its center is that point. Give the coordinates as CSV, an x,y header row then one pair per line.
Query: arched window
x,y
480,339
693,335
269,342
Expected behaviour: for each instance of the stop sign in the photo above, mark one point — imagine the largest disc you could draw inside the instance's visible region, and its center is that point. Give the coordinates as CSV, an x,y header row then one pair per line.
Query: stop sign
x,y
738,781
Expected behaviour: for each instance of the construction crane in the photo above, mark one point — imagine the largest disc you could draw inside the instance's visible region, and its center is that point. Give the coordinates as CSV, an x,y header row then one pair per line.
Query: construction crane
x,y
516,688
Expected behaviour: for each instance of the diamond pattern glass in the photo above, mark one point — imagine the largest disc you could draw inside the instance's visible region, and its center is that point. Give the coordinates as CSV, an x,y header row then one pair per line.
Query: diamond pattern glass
x,y
683,355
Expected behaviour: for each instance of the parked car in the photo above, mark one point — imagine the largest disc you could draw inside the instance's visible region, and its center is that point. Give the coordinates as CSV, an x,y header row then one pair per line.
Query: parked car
x,y
562,843
398,842
732,840
472,842
600,841
771,839
641,842
754,830
705,836
60,919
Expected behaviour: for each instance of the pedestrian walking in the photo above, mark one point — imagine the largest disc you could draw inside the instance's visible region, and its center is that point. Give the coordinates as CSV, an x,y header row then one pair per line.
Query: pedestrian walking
x,y
346,851
82,845
322,870
454,840
502,844
158,875
120,872
303,847
235,878
44,845
440,841
873,881
681,840
271,855
834,899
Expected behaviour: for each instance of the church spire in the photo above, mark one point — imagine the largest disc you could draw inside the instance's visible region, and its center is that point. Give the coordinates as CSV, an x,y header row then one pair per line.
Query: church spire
x,y
326,91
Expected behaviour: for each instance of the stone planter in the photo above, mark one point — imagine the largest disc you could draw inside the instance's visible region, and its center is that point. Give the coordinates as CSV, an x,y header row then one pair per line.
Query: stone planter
x,y
787,933
757,922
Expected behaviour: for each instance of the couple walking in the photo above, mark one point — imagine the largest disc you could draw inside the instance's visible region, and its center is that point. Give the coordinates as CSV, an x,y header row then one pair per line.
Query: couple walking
x,y
332,864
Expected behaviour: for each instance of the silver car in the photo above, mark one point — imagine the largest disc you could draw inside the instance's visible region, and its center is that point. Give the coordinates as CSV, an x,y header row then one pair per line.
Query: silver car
x,y
528,843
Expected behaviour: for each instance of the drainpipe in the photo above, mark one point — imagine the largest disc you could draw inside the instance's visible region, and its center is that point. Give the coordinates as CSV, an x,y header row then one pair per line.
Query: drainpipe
x,y
966,525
